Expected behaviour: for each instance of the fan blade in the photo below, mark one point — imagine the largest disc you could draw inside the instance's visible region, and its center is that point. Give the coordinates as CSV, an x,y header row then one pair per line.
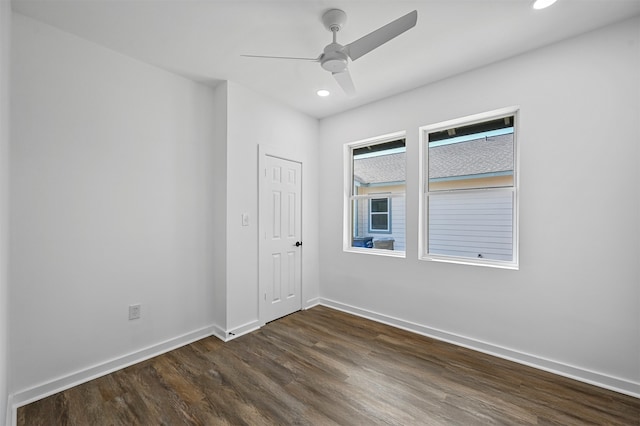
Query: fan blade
x,y
344,80
382,35
283,57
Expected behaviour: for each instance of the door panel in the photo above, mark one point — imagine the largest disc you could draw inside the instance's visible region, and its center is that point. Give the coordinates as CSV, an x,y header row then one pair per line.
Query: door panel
x,y
281,218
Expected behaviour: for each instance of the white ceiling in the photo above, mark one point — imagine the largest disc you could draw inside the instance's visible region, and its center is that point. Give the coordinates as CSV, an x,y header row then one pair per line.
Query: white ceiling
x,y
203,39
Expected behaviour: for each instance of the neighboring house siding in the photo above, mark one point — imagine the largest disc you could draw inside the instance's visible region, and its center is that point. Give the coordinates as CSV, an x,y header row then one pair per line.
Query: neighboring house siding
x,y
362,219
469,224
398,219
472,217
398,215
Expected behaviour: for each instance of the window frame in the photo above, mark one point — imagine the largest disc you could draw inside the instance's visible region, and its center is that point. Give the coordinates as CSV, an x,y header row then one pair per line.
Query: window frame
x,y
349,198
423,225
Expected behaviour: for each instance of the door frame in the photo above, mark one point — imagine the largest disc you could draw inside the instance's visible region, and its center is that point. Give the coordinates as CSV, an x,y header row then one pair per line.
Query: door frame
x,y
263,152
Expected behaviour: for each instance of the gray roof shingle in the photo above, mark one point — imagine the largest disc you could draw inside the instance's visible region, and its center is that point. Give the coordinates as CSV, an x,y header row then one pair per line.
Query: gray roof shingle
x,y
477,156
380,169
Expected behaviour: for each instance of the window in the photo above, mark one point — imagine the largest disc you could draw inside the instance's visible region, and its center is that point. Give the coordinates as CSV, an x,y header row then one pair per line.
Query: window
x,y
379,215
469,190
375,195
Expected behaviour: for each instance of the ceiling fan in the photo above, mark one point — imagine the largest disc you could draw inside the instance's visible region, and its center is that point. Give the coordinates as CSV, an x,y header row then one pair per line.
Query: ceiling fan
x,y
335,57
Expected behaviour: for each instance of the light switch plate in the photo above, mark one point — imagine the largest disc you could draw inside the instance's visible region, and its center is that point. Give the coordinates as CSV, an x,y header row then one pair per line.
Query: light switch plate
x,y
134,311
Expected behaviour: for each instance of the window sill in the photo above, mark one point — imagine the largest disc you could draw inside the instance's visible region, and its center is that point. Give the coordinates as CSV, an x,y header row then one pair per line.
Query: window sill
x,y
460,261
376,252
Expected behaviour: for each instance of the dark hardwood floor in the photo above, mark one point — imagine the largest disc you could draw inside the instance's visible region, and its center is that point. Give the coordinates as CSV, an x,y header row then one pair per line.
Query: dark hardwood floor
x,y
324,367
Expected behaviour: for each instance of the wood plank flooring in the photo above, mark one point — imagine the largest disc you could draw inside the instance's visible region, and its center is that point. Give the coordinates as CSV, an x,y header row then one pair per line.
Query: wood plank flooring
x,y
325,367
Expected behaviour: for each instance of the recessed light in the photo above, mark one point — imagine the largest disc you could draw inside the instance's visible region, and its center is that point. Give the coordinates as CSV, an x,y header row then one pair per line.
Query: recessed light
x,y
541,4
323,93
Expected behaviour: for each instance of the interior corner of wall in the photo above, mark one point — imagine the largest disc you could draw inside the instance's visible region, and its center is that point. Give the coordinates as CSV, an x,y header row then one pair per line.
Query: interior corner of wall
x,y
222,87
219,332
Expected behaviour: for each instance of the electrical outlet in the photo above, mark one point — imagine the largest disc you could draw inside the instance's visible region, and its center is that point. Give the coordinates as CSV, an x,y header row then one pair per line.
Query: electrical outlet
x,y
134,311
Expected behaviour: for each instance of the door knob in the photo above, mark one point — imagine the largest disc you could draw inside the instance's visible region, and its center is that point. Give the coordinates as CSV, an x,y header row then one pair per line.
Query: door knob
x,y
298,243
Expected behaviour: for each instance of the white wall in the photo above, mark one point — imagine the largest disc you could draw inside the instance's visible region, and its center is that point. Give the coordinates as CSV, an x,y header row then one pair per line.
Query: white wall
x,y
5,34
128,184
573,306
254,119
111,204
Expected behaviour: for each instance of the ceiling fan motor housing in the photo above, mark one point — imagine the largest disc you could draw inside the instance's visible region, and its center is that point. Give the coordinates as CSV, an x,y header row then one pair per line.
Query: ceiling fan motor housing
x,y
334,19
334,59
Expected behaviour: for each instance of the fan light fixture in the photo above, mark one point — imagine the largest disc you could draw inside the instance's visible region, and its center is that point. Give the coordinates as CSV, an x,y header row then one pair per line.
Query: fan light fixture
x,y
542,4
323,93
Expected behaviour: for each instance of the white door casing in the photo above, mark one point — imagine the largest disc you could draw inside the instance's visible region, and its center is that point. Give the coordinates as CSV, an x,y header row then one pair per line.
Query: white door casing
x,y
280,239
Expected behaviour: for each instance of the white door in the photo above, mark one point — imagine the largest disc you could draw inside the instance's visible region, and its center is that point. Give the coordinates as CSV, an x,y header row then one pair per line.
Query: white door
x,y
280,237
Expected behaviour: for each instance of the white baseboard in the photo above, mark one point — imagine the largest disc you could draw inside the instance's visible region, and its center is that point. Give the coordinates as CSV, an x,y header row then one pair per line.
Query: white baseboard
x,y
236,332
219,333
311,303
616,384
26,396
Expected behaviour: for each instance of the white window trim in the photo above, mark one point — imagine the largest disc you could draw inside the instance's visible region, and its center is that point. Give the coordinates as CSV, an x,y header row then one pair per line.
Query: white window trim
x,y
347,224
423,238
